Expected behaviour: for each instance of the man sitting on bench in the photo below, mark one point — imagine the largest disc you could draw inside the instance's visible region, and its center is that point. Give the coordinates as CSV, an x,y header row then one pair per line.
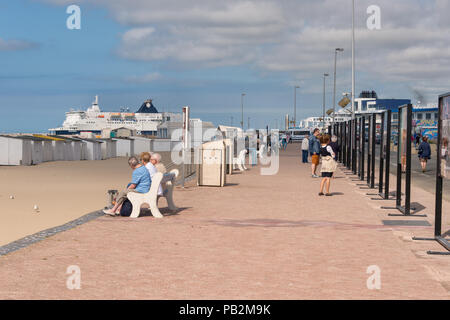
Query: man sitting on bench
x,y
145,159
140,183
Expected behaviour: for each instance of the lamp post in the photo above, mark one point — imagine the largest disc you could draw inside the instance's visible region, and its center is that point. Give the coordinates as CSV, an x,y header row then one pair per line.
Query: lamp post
x,y
295,105
242,110
334,90
353,59
323,114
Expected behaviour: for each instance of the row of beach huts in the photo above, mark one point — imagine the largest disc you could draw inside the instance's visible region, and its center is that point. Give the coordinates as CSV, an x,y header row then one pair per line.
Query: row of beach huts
x,y
16,150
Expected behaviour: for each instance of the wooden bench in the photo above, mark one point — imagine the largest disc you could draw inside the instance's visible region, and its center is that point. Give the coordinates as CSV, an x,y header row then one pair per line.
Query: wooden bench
x,y
151,197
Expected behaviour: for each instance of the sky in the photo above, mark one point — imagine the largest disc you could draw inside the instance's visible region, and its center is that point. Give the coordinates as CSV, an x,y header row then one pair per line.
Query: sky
x,y
206,53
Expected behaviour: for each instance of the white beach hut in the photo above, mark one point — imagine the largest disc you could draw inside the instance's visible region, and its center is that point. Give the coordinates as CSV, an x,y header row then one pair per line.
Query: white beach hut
x,y
124,147
73,148
92,149
47,152
15,151
68,150
58,150
77,145
141,145
109,148
37,148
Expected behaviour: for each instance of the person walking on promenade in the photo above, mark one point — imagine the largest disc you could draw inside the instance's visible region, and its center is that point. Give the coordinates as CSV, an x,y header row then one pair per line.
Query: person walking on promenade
x,y
314,150
329,164
335,145
284,141
424,153
305,148
417,140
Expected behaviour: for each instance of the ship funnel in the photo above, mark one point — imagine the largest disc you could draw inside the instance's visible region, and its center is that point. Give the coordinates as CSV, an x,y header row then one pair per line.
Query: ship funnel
x,y
96,100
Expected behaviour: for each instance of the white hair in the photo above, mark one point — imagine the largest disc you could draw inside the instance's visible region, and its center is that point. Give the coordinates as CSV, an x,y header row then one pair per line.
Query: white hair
x,y
157,157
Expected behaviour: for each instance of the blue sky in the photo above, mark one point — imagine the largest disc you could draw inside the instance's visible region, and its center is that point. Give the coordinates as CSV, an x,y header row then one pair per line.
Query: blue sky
x,y
204,55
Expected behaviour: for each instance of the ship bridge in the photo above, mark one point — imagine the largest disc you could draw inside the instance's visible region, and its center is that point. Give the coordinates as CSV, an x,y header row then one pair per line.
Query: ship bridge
x,y
147,107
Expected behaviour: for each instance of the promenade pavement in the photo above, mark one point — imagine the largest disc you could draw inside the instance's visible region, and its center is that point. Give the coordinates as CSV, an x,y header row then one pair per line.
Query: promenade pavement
x,y
259,237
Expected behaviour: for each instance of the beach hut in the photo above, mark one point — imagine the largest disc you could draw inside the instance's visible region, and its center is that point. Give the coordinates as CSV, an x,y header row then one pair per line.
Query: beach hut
x,y
77,145
58,150
15,151
73,148
68,151
124,147
92,149
161,145
37,148
141,145
109,148
53,149
47,149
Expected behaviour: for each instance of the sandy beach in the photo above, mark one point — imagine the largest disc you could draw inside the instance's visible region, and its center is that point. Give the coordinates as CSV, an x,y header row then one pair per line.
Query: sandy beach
x,y
62,190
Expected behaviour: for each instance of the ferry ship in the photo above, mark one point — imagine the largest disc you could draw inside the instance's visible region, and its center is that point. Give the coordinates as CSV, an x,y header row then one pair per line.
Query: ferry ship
x,y
144,121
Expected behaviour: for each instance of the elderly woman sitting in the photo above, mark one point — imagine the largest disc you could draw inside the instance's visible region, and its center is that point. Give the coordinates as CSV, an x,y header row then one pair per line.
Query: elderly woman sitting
x,y
140,182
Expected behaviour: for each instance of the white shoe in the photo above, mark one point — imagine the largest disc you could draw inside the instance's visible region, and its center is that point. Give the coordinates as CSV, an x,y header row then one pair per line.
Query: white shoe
x,y
108,212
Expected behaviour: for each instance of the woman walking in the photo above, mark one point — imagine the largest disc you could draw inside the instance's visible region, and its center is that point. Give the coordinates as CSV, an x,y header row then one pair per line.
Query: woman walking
x,y
329,164
424,153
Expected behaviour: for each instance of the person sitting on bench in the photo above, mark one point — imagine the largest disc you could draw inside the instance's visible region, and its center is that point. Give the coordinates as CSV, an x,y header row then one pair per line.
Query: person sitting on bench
x,y
156,161
145,159
140,182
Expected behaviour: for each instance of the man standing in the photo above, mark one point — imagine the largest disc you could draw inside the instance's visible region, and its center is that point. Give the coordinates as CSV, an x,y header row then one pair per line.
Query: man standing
x,y
305,149
314,150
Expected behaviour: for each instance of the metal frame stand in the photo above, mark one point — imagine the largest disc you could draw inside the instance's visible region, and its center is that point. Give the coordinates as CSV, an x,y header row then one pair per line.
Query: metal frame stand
x,y
406,209
439,186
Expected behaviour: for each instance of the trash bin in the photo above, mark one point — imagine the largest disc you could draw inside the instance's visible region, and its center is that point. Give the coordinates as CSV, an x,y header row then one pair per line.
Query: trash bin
x,y
212,167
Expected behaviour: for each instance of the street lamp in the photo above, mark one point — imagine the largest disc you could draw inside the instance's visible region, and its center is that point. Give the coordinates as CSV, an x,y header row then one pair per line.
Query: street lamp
x,y
353,59
295,105
334,90
323,114
242,109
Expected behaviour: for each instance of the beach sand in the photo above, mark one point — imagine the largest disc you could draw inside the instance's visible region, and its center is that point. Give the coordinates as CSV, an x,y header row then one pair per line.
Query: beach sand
x,y
63,191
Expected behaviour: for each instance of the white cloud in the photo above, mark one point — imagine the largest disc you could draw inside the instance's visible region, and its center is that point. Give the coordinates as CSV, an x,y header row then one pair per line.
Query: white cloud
x,y
289,36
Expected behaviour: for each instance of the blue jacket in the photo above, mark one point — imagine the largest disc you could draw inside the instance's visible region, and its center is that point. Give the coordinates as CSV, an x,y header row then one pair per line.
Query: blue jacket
x,y
424,150
314,145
